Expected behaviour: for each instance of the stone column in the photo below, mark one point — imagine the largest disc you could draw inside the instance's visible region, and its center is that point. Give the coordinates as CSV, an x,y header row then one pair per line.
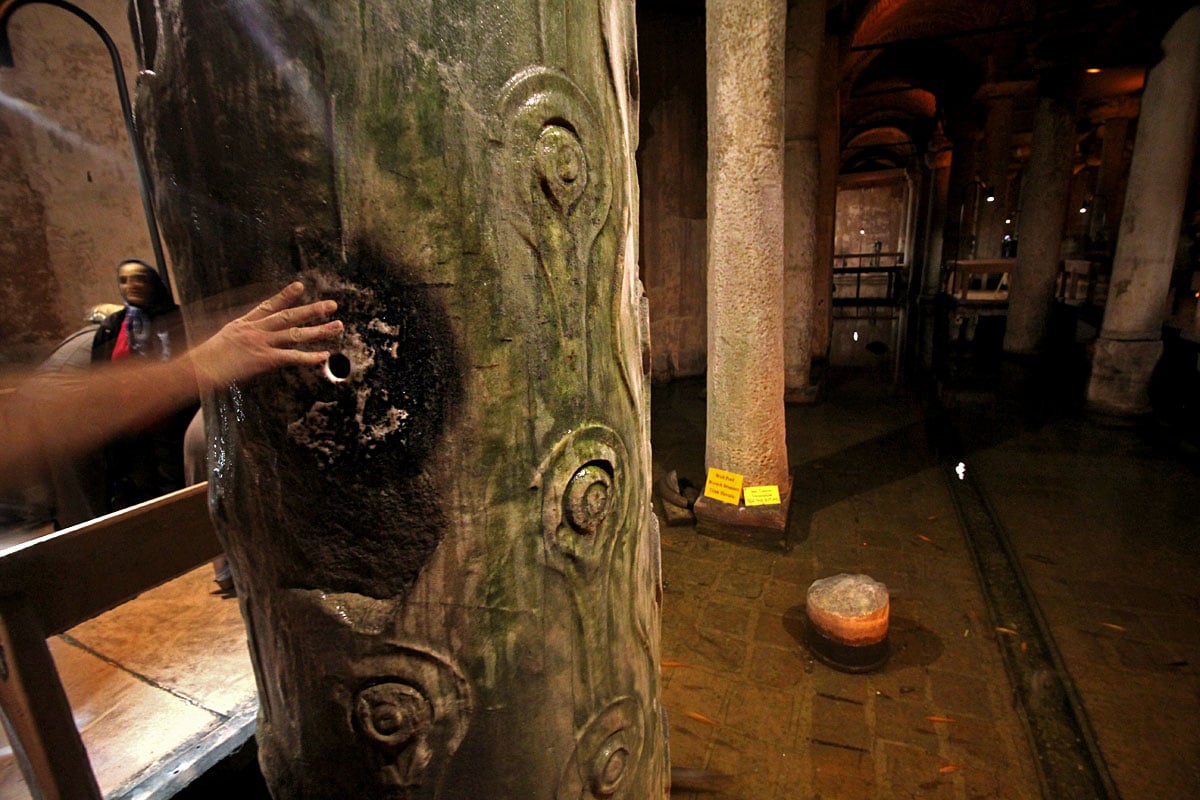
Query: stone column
x,y
443,543
1130,342
830,147
1116,118
931,259
1044,196
963,131
936,201
746,430
805,40
994,169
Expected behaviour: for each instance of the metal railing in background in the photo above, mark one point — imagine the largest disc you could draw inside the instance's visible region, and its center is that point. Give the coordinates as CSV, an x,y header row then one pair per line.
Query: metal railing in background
x,y
870,280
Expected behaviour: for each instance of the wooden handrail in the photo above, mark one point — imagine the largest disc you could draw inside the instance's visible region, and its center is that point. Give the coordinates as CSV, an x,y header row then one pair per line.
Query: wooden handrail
x,y
57,581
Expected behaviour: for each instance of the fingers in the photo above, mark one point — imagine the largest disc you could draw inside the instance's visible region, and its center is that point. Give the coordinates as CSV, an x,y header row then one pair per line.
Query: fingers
x,y
296,335
284,298
303,358
302,315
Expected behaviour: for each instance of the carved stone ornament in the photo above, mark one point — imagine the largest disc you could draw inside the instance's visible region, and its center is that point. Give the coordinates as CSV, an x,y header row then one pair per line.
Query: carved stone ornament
x,y
442,539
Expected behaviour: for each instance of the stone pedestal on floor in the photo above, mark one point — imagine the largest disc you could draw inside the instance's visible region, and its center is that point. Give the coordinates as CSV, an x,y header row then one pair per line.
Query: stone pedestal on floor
x,y
848,622
762,526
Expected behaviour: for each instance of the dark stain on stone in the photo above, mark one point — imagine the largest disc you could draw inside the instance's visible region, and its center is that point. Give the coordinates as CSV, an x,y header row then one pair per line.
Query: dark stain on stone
x,y
355,456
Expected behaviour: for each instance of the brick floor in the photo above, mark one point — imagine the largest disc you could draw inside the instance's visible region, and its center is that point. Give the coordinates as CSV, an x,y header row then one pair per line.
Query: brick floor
x,y
745,698
1103,522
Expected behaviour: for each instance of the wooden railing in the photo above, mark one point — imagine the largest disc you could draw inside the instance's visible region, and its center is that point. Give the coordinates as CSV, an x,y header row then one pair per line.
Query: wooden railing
x,y
55,582
979,279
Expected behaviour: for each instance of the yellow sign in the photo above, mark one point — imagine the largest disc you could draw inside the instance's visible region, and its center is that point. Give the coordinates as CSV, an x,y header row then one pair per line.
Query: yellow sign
x,y
762,495
723,486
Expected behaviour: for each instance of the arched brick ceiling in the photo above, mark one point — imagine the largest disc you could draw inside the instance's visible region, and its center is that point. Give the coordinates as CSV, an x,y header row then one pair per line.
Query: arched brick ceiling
x,y
942,70
885,21
911,112
898,101
914,44
879,148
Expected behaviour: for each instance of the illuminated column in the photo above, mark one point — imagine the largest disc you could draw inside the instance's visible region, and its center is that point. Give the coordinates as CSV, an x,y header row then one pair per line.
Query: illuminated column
x,y
1130,342
1043,207
746,431
805,39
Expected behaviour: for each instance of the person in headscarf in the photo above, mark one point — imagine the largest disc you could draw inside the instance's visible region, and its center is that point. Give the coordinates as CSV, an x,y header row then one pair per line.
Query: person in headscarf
x,y
147,463
148,322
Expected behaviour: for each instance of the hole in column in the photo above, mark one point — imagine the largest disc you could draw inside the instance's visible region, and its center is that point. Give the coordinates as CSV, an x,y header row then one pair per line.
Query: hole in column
x,y
338,367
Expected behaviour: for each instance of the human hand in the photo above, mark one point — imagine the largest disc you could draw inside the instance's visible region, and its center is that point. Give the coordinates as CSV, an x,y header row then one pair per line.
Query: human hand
x,y
264,339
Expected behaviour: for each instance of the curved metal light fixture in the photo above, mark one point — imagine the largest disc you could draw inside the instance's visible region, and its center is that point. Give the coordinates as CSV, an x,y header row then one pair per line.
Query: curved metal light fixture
x,y
139,162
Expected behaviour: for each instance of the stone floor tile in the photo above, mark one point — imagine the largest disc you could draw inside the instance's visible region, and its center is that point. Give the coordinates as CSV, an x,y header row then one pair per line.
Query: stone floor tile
x,y
955,693
906,721
760,562
781,630
794,570
971,740
762,713
695,689
845,685
839,721
839,772
708,548
914,773
1181,628
712,649
778,667
690,572
994,784
689,744
753,764
735,583
734,620
675,540
783,596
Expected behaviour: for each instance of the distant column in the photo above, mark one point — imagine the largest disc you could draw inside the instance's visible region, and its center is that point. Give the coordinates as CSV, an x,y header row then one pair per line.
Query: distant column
x,y
1115,117
938,191
805,40
962,131
997,156
1130,342
930,257
1044,196
829,124
745,431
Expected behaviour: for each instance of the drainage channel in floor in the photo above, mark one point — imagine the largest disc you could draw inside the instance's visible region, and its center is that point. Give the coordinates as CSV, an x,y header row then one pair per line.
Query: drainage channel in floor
x,y
1070,765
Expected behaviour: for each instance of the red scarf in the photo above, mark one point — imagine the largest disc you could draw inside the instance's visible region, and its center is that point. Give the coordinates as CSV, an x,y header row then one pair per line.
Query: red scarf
x,y
121,347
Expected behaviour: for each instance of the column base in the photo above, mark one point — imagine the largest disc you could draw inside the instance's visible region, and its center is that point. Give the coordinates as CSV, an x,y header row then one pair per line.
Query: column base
x,y
806,395
813,391
759,526
1120,382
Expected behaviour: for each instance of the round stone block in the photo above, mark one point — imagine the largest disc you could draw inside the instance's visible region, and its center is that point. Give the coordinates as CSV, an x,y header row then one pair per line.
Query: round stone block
x,y
848,622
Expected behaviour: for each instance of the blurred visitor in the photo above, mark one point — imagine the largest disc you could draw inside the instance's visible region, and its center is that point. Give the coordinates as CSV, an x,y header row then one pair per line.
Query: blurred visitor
x,y
146,463
51,416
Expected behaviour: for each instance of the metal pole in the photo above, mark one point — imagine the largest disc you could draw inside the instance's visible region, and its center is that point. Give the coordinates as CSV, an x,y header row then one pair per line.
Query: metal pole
x,y
139,162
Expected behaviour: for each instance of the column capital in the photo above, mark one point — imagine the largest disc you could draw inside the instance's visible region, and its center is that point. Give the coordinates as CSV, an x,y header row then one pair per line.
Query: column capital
x,y
1114,108
1001,90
